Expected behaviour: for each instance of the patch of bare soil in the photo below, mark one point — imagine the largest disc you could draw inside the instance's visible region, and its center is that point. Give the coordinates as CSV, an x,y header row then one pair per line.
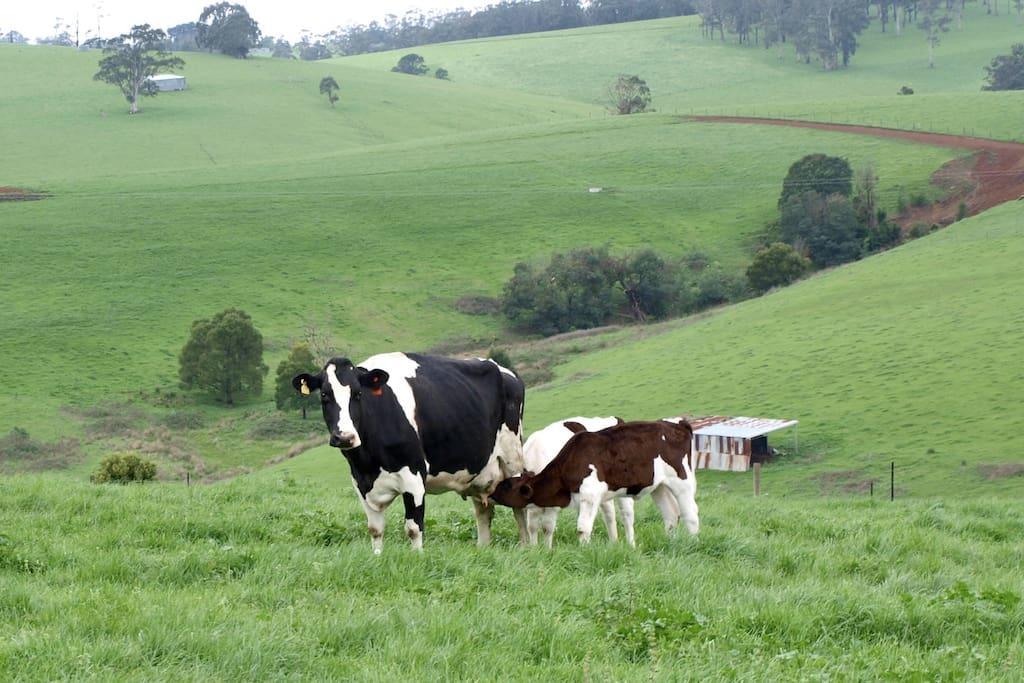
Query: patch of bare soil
x,y
994,174
17,194
1001,471
842,481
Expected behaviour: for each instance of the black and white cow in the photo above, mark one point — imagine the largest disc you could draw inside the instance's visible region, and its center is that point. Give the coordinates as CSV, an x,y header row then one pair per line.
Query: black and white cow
x,y
411,424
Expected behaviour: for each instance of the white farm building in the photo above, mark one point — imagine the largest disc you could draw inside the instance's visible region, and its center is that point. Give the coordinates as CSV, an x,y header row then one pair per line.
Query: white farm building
x,y
165,82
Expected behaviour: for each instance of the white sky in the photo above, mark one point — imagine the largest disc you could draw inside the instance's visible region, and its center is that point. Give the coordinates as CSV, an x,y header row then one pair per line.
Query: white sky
x,y
36,18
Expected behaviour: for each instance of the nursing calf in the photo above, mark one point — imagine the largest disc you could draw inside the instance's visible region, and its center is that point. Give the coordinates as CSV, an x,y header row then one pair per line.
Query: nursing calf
x,y
632,460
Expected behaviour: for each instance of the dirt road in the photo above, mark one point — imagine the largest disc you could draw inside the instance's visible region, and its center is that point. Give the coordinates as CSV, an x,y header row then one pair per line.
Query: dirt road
x,y
994,174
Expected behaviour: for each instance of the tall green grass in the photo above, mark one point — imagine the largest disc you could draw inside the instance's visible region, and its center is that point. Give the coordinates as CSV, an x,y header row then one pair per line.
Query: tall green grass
x,y
272,577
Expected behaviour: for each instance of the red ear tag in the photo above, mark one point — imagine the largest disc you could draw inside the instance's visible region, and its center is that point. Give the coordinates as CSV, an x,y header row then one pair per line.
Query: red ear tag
x,y
377,391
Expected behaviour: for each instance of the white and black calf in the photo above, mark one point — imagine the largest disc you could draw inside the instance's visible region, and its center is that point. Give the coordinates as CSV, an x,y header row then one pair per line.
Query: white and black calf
x,y
412,424
627,460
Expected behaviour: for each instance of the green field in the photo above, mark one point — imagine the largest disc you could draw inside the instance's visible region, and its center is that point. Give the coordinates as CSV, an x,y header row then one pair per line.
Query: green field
x,y
370,221
688,73
910,356
374,242
271,577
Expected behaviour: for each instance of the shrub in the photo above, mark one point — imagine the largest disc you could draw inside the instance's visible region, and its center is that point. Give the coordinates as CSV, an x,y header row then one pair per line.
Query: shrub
x,y
411,64
826,226
885,234
905,90
441,73
961,211
184,419
918,200
715,286
1006,72
123,468
919,230
501,357
573,292
775,266
629,95
817,173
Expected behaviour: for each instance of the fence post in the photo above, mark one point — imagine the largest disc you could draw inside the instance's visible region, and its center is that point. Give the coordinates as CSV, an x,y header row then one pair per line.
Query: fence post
x,y
757,479
892,481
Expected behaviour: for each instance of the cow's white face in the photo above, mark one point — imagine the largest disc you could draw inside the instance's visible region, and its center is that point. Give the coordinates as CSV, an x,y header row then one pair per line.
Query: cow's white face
x,y
337,400
342,398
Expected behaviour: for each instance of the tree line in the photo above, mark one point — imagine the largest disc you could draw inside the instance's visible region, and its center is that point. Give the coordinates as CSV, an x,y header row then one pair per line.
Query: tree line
x,y
828,30
508,17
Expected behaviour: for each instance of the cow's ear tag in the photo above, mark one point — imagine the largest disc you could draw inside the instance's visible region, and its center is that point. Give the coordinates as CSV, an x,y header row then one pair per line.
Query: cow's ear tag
x,y
377,391
305,388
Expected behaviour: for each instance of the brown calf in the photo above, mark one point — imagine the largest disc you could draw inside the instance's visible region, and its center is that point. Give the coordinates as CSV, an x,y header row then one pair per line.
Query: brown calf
x,y
632,459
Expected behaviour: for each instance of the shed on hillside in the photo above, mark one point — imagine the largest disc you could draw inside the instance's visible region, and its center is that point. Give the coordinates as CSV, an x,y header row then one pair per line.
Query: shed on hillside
x,y
166,82
733,443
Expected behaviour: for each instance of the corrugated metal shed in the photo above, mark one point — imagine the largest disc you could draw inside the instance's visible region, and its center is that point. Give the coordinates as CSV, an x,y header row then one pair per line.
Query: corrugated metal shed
x,y
743,427
166,82
732,443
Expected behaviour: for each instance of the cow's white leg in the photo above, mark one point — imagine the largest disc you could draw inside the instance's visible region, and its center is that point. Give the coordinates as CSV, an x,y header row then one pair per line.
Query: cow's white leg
x,y
548,520
608,514
374,521
523,522
667,506
591,496
683,490
589,505
626,508
533,518
484,513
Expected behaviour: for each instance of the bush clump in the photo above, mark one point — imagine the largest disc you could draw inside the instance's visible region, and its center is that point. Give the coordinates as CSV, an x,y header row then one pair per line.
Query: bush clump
x,y
123,468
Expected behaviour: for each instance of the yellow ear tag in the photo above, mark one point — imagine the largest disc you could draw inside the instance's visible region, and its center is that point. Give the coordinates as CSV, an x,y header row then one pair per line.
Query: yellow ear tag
x,y
304,389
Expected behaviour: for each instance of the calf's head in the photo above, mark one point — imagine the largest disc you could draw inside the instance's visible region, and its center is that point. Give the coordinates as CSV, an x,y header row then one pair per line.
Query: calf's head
x,y
514,492
344,392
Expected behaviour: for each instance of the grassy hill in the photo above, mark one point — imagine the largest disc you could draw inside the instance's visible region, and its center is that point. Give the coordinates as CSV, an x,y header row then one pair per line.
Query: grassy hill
x,y
688,73
195,205
372,219
909,356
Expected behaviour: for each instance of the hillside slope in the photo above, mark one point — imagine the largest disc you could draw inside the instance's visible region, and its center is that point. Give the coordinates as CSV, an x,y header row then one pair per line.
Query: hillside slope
x,y
911,356
373,242
688,73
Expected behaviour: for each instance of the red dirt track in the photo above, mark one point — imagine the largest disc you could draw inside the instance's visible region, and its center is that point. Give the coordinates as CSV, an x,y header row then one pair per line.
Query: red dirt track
x,y
994,174
14,194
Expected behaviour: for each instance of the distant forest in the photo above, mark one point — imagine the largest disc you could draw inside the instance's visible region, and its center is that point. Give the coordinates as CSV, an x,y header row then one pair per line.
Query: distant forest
x,y
504,18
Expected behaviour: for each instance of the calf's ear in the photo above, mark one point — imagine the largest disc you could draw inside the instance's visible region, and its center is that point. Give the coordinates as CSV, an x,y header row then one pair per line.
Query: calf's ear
x,y
305,383
374,380
574,427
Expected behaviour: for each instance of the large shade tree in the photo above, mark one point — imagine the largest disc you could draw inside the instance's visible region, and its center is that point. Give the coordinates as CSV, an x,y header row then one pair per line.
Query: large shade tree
x,y
1006,72
223,356
227,28
132,58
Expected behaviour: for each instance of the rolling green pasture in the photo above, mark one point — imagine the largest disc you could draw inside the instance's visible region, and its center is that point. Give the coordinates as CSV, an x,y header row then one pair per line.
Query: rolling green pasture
x,y
910,356
374,243
271,577
64,129
688,73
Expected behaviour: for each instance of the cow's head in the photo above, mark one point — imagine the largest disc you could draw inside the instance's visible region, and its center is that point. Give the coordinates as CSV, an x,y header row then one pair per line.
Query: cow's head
x,y
344,391
514,492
